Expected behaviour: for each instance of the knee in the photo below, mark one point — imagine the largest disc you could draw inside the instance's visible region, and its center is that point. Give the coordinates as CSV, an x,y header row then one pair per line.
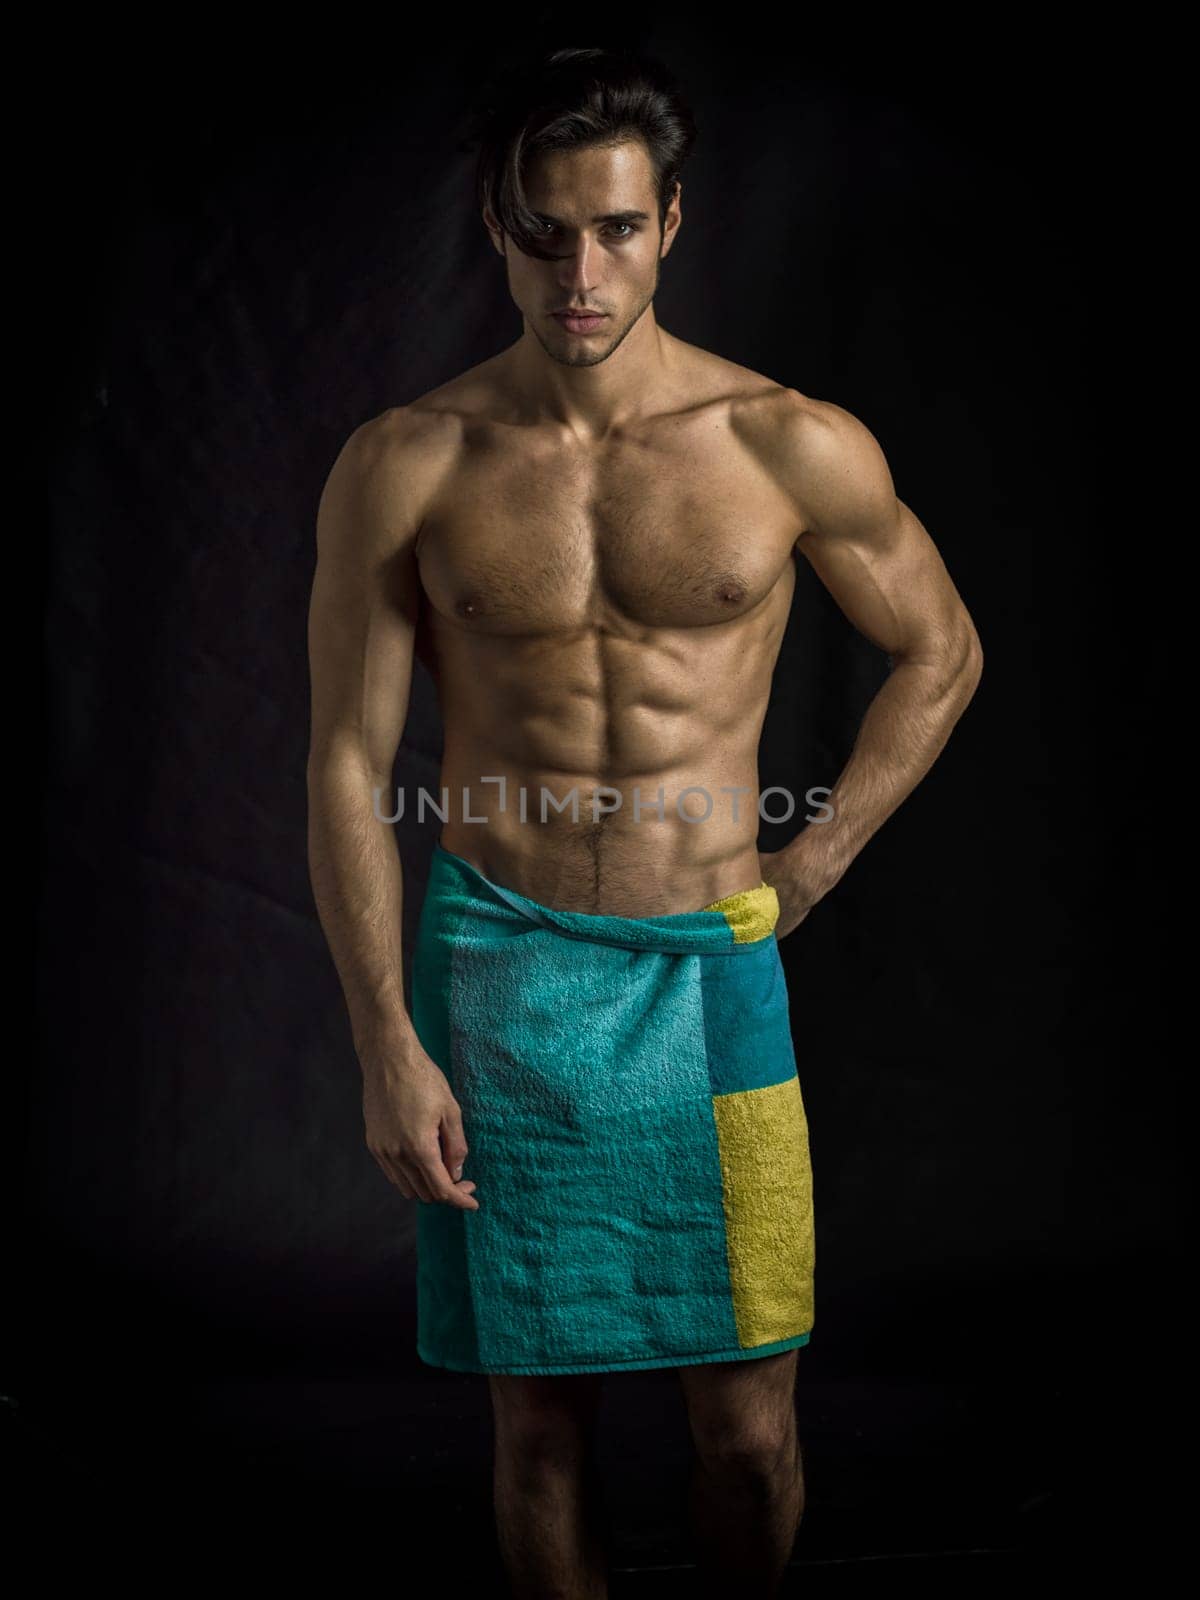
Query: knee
x,y
540,1420
759,1456
542,1441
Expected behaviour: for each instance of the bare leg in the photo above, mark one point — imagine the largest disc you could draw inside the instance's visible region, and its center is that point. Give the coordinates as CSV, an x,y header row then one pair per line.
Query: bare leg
x,y
550,1510
746,1495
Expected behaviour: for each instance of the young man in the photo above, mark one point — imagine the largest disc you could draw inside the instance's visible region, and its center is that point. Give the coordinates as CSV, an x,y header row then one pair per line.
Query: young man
x,y
590,541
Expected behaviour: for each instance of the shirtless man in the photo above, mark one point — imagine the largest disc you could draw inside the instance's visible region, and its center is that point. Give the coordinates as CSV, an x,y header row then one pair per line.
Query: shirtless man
x,y
590,540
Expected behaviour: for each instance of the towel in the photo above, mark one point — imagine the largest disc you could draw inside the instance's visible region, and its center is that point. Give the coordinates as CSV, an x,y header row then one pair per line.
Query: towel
x,y
636,1132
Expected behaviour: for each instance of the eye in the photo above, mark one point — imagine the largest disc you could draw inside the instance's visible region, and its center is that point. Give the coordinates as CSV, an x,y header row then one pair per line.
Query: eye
x,y
545,227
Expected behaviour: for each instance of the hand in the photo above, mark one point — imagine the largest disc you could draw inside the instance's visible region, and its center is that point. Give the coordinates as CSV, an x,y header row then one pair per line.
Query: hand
x,y
414,1129
796,897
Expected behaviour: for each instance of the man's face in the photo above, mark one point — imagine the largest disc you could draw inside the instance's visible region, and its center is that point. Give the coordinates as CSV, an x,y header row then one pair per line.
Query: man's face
x,y
605,261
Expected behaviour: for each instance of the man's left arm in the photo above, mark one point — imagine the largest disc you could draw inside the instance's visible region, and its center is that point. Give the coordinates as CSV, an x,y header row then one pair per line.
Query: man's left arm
x,y
884,571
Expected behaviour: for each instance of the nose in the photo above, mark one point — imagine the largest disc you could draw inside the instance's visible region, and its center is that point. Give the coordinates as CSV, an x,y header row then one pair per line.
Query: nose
x,y
577,271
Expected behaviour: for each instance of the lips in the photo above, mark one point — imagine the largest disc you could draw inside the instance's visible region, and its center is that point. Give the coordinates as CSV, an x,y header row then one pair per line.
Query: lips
x,y
580,326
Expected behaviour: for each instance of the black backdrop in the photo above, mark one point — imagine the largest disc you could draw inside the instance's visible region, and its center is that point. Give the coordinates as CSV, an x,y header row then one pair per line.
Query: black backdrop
x,y
254,249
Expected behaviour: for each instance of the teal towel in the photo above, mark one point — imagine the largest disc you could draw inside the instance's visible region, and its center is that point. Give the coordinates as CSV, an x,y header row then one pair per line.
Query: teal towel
x,y
636,1133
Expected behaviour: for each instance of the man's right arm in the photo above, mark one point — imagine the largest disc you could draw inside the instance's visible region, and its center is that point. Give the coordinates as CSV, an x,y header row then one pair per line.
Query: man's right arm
x,y
361,635
361,629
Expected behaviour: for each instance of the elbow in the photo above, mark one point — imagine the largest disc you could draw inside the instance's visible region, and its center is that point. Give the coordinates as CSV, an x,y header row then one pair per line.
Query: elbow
x,y
341,768
331,767
954,657
964,653
968,669
317,771
973,659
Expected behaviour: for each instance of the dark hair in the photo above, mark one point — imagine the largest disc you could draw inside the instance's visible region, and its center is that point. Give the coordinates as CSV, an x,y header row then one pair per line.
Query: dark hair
x,y
569,100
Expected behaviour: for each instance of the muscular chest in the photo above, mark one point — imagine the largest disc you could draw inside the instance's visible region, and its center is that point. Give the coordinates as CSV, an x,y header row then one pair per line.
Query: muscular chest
x,y
657,534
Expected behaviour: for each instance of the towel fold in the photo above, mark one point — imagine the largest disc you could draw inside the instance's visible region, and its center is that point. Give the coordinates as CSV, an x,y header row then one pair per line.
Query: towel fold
x,y
636,1133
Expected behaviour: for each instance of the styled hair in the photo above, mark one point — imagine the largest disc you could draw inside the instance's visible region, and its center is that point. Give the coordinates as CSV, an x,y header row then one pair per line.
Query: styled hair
x,y
571,100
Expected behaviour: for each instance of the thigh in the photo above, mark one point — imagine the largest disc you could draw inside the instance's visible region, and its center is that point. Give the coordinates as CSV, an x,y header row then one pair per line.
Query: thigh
x,y
559,1405
751,1401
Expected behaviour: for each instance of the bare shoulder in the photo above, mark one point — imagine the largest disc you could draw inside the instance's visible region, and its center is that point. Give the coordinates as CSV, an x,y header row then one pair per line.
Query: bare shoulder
x,y
823,456
393,466
407,439
770,417
386,474
796,427
707,379
472,393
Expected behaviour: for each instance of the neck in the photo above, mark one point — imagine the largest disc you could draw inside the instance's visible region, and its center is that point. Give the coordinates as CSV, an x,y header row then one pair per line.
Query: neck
x,y
590,399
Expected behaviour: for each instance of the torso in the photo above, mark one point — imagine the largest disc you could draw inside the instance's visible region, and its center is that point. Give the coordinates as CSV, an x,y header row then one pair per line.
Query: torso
x,y
605,618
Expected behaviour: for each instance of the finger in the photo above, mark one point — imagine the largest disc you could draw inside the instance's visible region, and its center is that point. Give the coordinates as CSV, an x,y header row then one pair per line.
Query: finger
x,y
414,1172
453,1141
449,1149
426,1169
442,1189
393,1174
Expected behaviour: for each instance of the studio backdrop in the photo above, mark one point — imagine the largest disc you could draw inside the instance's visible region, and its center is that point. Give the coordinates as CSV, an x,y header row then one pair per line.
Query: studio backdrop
x,y
262,262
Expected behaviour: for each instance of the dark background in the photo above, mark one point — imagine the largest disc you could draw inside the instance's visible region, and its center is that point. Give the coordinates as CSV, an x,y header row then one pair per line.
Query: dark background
x,y
252,245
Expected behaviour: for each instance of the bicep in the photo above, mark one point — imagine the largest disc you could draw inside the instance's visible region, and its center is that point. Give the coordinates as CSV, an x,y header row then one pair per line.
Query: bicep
x,y
872,552
364,606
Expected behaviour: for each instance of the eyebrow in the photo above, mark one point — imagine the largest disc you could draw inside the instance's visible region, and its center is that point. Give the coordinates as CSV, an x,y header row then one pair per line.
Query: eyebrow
x,y
609,216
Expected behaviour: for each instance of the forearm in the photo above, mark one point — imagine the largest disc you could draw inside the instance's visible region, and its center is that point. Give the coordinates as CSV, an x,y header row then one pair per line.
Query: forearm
x,y
903,732
358,886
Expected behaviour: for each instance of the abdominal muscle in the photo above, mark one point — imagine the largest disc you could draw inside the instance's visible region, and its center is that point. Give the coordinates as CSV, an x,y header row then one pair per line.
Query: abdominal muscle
x,y
571,816
606,862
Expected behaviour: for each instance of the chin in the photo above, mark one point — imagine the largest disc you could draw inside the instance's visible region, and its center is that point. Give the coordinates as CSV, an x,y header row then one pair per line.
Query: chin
x,y
592,360
581,358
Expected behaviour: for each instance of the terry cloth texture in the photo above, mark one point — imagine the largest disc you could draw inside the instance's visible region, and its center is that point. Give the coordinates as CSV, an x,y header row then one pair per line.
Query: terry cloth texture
x,y
635,1127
